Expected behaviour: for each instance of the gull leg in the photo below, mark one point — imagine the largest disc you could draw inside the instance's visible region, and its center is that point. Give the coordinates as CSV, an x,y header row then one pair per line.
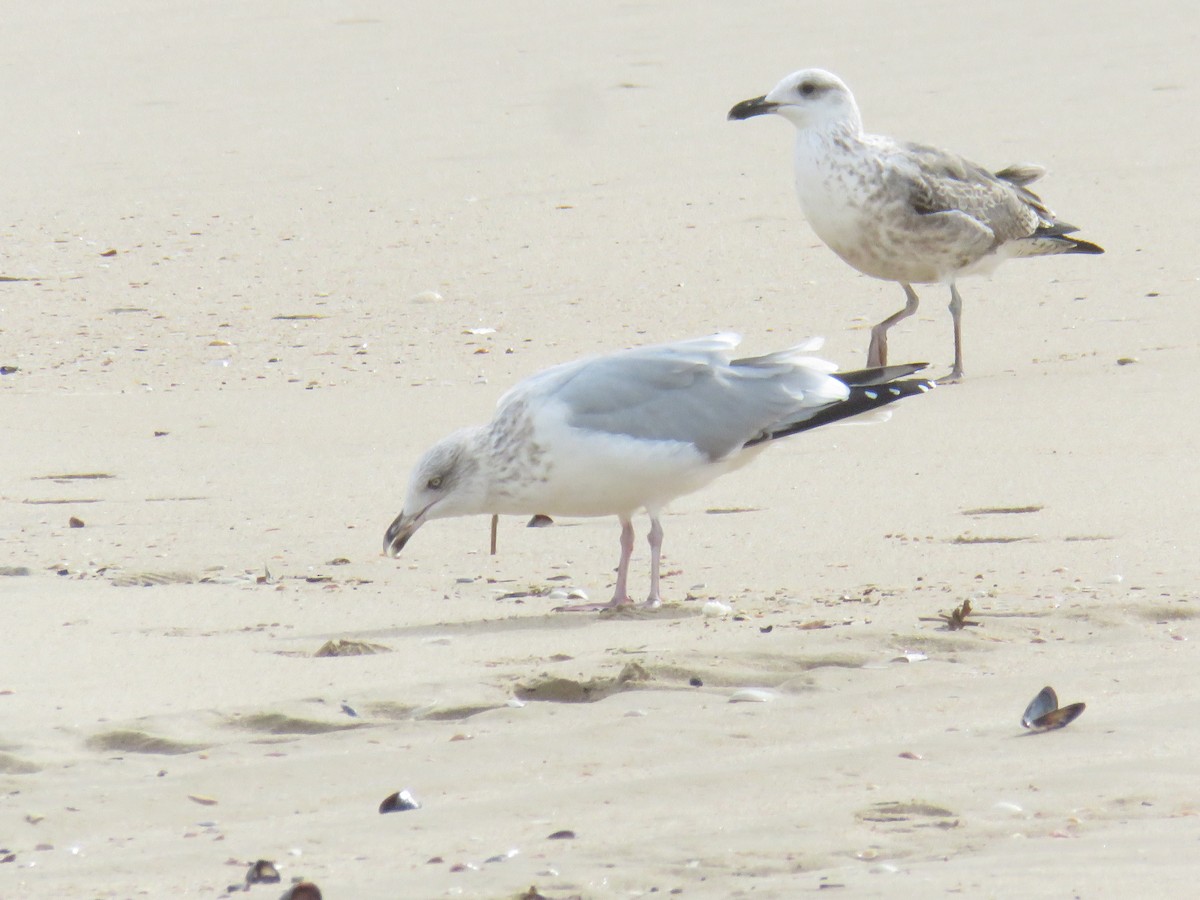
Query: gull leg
x,y
877,352
956,373
655,538
620,591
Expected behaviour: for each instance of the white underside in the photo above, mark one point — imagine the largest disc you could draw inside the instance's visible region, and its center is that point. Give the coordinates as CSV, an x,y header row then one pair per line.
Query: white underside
x,y
594,473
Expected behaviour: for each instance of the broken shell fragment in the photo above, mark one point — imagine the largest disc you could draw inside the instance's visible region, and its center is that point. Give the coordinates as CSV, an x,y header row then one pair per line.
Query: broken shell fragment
x,y
752,695
401,801
263,872
304,890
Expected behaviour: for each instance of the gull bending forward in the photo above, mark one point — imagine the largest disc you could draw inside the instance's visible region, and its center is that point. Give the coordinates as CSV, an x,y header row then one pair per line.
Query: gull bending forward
x,y
609,435
906,212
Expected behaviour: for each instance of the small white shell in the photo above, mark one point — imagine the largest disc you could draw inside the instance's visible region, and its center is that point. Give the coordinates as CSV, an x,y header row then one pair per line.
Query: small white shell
x,y
752,695
515,702
715,608
427,297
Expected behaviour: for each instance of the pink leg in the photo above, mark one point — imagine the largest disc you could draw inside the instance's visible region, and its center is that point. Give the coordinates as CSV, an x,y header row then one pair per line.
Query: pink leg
x,y
655,538
620,591
877,352
956,373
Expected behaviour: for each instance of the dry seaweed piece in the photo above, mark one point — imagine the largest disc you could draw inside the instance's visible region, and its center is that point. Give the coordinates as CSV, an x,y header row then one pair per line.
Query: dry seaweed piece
x,y
956,619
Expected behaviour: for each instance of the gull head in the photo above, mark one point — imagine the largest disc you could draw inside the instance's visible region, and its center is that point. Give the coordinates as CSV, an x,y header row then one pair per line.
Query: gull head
x,y
810,98
447,481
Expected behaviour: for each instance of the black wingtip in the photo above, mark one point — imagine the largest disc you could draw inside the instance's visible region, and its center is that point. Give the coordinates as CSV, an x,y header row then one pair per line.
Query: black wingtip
x,y
878,374
1085,247
1059,231
863,398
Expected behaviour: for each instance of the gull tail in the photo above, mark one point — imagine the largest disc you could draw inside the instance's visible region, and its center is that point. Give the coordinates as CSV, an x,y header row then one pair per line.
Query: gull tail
x,y
870,390
1052,239
1021,174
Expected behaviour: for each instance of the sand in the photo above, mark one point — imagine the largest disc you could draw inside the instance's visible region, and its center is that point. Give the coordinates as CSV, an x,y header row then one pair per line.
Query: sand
x,y
259,256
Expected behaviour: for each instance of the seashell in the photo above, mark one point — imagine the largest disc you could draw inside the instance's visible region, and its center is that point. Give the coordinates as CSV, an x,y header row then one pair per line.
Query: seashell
x,y
715,608
1044,714
751,695
910,656
1044,702
401,801
502,857
427,297
565,835
515,702
263,872
305,890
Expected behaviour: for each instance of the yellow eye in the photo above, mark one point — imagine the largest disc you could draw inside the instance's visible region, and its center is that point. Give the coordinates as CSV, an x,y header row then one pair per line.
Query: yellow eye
x,y
435,482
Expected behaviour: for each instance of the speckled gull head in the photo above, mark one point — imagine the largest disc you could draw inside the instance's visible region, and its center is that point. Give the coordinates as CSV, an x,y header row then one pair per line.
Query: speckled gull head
x,y
810,98
446,481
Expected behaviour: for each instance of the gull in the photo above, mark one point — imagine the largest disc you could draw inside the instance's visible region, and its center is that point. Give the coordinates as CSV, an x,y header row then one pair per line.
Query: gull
x,y
906,212
613,434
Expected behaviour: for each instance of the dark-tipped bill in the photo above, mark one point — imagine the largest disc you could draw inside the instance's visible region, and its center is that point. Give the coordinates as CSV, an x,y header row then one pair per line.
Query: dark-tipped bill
x,y
399,532
757,106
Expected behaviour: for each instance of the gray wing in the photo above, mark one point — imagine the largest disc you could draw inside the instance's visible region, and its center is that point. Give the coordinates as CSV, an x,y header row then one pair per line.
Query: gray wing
x,y
687,392
937,181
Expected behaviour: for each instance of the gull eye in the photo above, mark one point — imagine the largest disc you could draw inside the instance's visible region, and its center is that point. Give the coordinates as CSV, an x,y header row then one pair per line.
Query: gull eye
x,y
807,89
434,483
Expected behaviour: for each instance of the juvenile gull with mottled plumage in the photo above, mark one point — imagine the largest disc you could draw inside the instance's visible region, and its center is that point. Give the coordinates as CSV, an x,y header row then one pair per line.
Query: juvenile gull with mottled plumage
x,y
609,435
906,212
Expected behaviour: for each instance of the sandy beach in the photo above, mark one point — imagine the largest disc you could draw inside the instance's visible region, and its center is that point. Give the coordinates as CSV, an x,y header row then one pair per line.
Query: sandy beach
x,y
255,258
